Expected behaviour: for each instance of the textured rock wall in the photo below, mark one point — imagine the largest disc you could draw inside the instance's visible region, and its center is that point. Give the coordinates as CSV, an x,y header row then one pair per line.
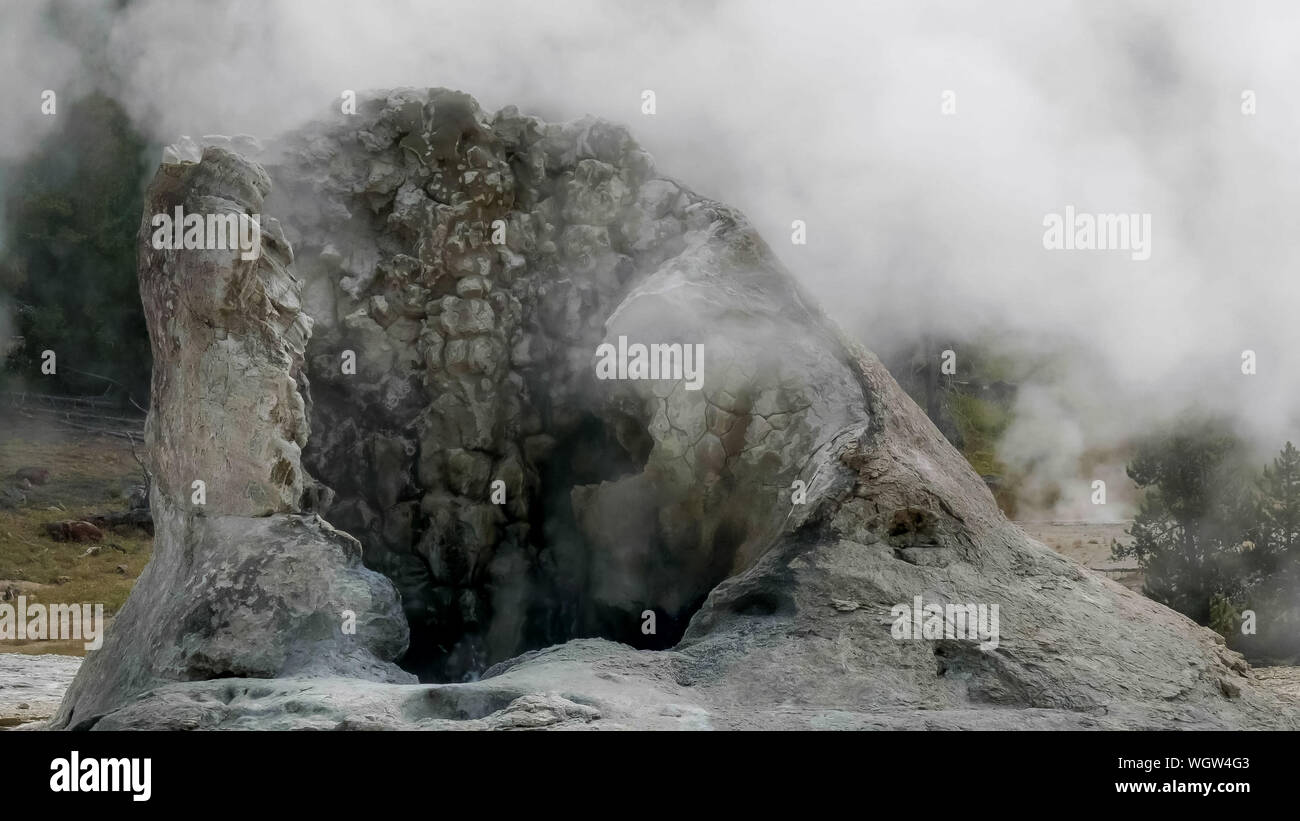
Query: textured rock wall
x,y
473,263
229,334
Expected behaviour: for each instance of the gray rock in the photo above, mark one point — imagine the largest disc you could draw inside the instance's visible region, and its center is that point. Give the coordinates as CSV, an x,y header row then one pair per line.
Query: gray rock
x,y
465,317
240,583
771,521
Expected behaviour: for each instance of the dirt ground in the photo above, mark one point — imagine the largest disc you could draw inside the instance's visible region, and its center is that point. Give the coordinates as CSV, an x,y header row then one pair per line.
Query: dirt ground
x,y
87,474
1089,544
1285,681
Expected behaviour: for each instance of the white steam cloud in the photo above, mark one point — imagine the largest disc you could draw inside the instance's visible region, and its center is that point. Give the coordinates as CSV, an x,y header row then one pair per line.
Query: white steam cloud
x,y
830,112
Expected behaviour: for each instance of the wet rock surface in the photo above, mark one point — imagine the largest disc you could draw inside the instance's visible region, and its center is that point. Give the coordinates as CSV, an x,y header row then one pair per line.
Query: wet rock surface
x,y
31,686
460,271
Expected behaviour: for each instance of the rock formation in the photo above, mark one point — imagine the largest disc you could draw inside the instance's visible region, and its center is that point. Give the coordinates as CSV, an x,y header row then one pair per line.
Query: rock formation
x,y
441,405
242,582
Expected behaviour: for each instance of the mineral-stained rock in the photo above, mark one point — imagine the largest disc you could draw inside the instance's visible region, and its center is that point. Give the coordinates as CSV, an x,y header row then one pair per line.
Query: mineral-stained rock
x,y
764,513
243,582
540,242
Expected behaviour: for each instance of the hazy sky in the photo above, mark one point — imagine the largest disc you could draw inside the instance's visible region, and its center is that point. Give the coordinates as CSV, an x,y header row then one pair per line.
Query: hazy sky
x,y
830,112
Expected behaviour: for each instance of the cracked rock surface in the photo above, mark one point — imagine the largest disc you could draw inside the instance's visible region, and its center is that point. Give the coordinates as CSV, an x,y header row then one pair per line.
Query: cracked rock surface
x,y
472,264
418,370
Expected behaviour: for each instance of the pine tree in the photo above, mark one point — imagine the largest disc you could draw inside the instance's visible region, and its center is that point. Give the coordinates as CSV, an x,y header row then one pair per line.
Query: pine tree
x,y
1271,591
72,212
1281,508
1195,522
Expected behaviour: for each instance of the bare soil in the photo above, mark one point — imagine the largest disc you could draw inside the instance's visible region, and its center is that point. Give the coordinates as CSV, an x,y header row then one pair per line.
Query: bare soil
x,y
1089,544
88,474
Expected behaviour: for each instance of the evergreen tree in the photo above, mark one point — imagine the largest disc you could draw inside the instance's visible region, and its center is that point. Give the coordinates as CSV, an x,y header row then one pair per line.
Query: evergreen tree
x,y
72,213
1196,524
1281,507
1273,592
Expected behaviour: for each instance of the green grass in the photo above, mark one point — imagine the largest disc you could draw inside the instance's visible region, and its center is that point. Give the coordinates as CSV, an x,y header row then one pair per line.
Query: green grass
x,y
88,474
981,423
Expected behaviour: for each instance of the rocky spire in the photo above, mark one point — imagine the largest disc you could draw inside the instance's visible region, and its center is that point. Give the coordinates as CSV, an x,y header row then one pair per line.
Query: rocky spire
x,y
242,582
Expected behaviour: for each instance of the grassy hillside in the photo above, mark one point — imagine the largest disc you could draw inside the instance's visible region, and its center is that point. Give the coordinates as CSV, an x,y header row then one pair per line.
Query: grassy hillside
x,y
88,474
